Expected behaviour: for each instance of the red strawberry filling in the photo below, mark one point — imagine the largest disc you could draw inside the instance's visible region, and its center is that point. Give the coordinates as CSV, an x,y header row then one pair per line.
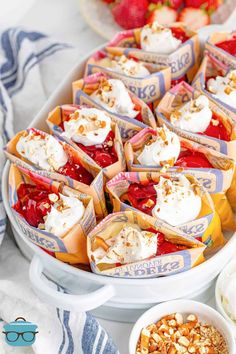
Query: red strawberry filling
x,y
33,203
216,129
229,46
195,159
76,172
104,154
164,246
179,33
142,196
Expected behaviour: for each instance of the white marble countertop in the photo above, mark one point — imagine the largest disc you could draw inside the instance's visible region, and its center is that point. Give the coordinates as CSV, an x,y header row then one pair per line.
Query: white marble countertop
x,y
62,20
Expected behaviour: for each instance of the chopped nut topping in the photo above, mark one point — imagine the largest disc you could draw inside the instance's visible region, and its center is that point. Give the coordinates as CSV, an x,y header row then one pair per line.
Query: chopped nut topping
x,y
228,90
53,197
166,337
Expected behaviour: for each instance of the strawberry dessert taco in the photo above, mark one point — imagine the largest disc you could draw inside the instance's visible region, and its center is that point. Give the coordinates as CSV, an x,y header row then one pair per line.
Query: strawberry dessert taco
x,y
129,112
50,157
163,150
130,245
176,199
91,131
174,45
147,81
53,216
222,45
191,114
218,82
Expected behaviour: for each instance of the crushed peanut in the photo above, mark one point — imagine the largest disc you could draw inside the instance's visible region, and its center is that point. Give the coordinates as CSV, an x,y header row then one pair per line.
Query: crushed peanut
x,y
172,335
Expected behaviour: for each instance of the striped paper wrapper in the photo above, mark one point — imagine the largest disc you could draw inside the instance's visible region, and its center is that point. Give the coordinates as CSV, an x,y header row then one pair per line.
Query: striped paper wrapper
x,y
73,241
61,114
163,265
219,53
207,225
217,180
212,67
148,89
183,61
83,88
95,189
179,95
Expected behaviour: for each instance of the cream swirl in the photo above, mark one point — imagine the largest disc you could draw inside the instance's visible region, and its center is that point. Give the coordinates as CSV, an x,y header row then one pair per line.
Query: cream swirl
x,y
88,126
45,152
194,116
223,88
156,38
177,203
65,213
129,67
163,149
114,96
130,245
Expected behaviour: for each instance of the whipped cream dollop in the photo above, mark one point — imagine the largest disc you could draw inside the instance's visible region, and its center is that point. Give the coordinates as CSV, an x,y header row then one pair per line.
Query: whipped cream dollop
x,y
88,126
156,38
177,202
45,152
224,88
163,149
114,96
64,214
129,67
130,245
194,116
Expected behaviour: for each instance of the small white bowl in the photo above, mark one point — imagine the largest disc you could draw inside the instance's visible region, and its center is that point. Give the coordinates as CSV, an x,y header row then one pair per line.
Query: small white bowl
x,y
226,273
204,312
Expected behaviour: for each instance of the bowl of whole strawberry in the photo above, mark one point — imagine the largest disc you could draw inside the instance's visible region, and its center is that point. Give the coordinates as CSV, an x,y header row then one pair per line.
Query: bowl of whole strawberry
x,y
109,16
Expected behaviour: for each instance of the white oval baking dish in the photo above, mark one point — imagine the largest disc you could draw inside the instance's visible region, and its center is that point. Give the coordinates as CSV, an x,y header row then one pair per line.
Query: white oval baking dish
x,y
122,299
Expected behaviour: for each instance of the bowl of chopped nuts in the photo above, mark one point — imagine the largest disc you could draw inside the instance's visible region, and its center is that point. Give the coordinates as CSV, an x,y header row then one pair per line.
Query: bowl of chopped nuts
x,y
181,326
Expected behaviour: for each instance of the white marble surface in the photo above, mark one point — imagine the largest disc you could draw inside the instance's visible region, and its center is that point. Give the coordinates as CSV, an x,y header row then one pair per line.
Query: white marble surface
x,y
62,20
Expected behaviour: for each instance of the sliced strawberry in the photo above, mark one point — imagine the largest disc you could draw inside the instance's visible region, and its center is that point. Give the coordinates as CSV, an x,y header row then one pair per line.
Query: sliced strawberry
x,y
163,15
130,13
194,18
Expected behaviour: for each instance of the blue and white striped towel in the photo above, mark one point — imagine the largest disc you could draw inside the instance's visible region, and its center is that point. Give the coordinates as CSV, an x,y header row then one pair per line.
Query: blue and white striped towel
x,y
31,65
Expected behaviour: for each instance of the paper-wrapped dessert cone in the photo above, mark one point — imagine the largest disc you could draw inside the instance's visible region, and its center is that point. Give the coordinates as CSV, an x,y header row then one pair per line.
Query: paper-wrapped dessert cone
x,y
157,265
211,68
61,114
83,88
149,88
73,241
206,226
182,93
184,60
219,53
95,189
217,180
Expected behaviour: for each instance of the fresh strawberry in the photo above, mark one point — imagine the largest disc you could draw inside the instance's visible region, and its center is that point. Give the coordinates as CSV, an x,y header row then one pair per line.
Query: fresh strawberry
x,y
108,1
211,5
194,18
163,15
130,13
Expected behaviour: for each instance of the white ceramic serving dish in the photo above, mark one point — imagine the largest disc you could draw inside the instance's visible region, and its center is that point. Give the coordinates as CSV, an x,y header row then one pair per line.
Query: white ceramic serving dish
x,y
122,299
219,289
204,312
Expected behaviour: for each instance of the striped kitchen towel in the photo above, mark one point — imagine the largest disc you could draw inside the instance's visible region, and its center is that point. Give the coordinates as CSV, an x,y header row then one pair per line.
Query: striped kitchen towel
x,y
31,66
